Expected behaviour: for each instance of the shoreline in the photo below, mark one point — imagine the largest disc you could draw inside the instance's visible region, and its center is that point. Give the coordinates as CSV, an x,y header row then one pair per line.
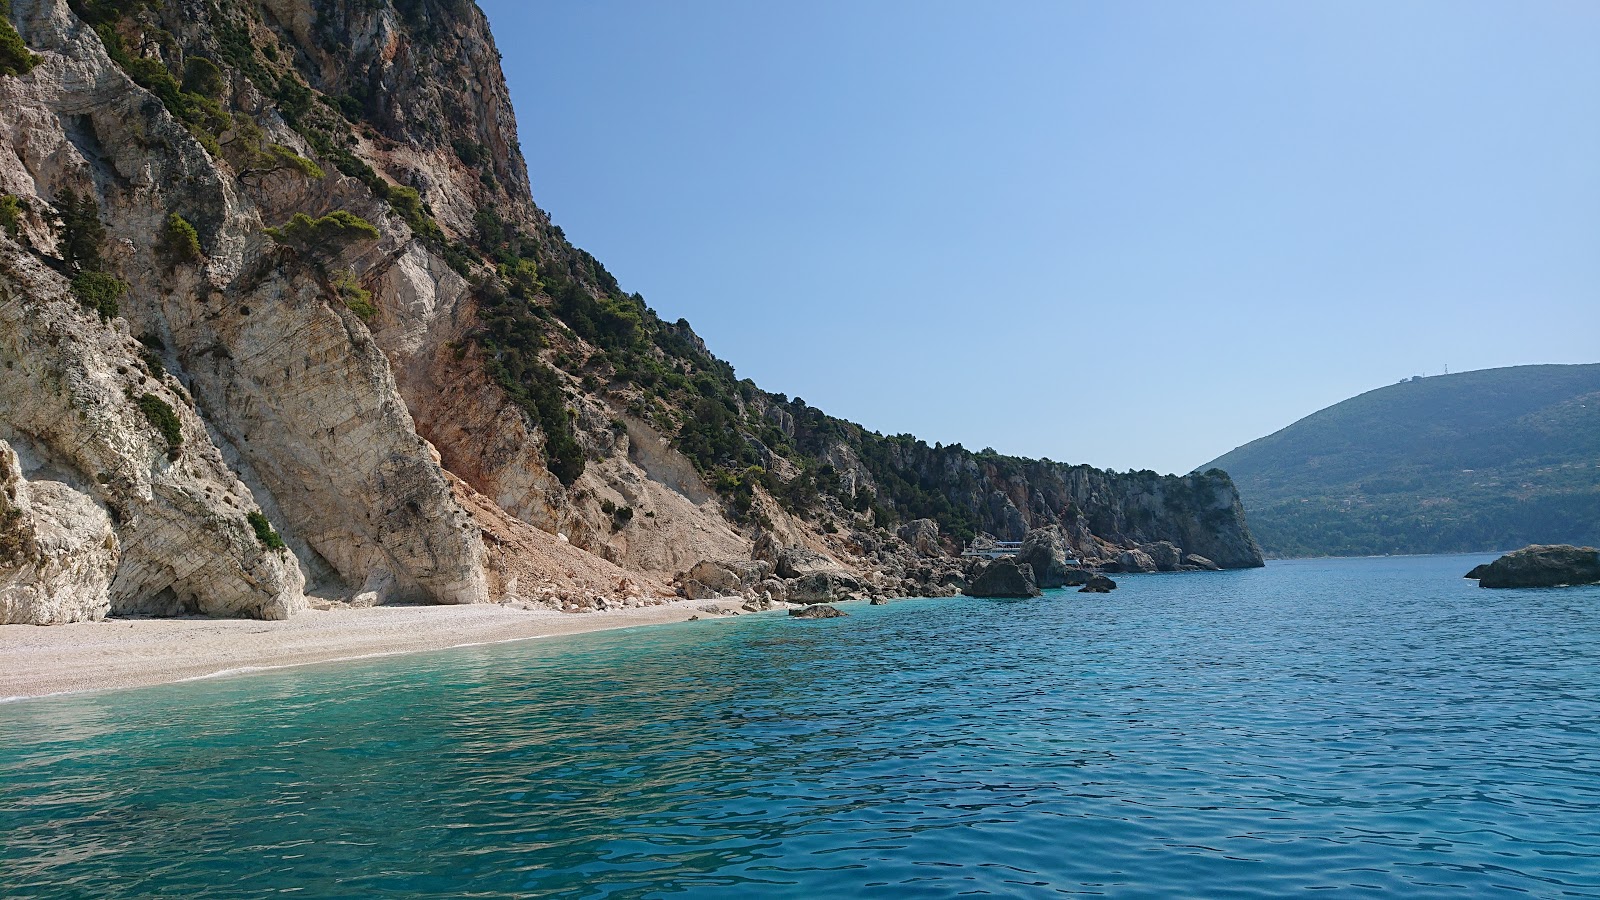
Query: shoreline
x,y
40,661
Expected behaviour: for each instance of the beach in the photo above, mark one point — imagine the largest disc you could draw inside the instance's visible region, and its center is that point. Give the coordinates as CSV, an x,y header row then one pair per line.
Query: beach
x,y
40,660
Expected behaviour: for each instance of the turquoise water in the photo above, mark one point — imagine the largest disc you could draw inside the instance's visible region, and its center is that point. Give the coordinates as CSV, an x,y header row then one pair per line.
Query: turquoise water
x,y
1356,726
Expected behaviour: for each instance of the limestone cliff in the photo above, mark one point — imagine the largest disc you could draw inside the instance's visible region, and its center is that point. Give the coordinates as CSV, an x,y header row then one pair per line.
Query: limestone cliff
x,y
279,315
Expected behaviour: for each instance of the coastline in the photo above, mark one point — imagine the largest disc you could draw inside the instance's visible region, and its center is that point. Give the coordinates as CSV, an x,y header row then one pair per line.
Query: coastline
x,y
44,660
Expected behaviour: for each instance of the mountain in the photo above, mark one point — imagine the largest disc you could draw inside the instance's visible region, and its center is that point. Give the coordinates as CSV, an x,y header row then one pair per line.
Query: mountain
x,y
1475,461
279,318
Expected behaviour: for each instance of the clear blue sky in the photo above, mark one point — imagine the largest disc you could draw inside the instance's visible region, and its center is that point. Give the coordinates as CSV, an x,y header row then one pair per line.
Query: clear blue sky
x,y
1130,234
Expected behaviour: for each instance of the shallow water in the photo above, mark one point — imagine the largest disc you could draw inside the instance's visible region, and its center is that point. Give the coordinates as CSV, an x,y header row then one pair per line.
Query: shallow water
x,y
1359,726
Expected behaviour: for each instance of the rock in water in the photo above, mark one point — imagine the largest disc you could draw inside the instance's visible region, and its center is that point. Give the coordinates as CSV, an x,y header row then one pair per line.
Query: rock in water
x,y
880,601
1046,551
1003,578
1098,584
1541,565
818,611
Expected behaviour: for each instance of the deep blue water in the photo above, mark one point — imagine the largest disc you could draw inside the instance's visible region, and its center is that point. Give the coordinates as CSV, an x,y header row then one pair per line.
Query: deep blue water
x,y
1355,726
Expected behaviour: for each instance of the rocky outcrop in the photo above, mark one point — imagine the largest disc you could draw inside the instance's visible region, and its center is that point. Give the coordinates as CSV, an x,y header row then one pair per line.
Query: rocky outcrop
x,y
1131,561
80,407
1541,565
1200,562
1165,555
1046,552
922,536
1003,578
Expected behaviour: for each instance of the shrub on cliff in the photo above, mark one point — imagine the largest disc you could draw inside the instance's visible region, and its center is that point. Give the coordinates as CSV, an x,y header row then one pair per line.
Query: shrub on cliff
x,y
325,236
265,533
99,291
11,208
15,58
355,297
164,419
180,242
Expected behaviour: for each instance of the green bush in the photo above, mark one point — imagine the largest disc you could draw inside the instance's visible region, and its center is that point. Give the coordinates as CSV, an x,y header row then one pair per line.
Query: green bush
x,y
164,419
180,242
353,295
82,233
285,158
11,208
99,291
15,58
202,77
325,236
268,537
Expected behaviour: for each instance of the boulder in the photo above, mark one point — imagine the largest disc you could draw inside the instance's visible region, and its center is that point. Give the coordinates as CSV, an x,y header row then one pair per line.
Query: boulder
x,y
728,576
1541,565
1076,577
880,601
1132,561
798,562
1003,577
922,535
820,587
818,611
1200,562
1165,555
1100,584
1046,551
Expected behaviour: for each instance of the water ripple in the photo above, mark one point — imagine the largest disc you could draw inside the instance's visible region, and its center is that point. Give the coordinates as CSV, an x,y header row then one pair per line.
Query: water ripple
x,y
1360,727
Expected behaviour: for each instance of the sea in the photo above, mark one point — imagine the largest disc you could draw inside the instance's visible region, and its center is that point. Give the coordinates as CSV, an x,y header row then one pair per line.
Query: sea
x,y
1351,727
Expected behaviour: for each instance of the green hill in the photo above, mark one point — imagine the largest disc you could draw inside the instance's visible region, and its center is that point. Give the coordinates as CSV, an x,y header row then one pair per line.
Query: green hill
x,y
1476,461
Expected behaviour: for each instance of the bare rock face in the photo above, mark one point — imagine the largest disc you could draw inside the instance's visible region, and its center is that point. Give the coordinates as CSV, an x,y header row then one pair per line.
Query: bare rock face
x,y
1541,565
273,380
77,401
923,537
57,550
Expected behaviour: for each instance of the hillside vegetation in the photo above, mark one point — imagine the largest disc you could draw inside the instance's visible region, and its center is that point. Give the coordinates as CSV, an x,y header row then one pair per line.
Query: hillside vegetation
x,y
1475,461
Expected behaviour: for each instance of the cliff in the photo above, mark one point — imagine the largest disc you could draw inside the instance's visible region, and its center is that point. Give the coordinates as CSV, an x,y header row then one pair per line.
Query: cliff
x,y
279,317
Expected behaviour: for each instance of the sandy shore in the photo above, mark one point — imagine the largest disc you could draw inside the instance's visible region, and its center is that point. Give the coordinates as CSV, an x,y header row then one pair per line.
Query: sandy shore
x,y
121,653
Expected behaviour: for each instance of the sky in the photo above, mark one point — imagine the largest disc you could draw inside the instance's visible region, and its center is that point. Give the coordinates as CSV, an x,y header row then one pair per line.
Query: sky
x,y
1135,234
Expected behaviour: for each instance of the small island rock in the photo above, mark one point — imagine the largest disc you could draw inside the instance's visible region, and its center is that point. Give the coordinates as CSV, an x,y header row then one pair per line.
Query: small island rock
x,y
1541,565
1098,584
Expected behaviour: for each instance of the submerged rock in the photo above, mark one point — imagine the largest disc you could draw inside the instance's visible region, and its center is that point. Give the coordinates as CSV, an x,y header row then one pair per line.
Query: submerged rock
x,y
818,611
1541,565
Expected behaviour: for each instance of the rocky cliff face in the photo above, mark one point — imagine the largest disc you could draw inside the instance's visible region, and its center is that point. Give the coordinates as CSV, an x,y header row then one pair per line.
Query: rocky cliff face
x,y
278,315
